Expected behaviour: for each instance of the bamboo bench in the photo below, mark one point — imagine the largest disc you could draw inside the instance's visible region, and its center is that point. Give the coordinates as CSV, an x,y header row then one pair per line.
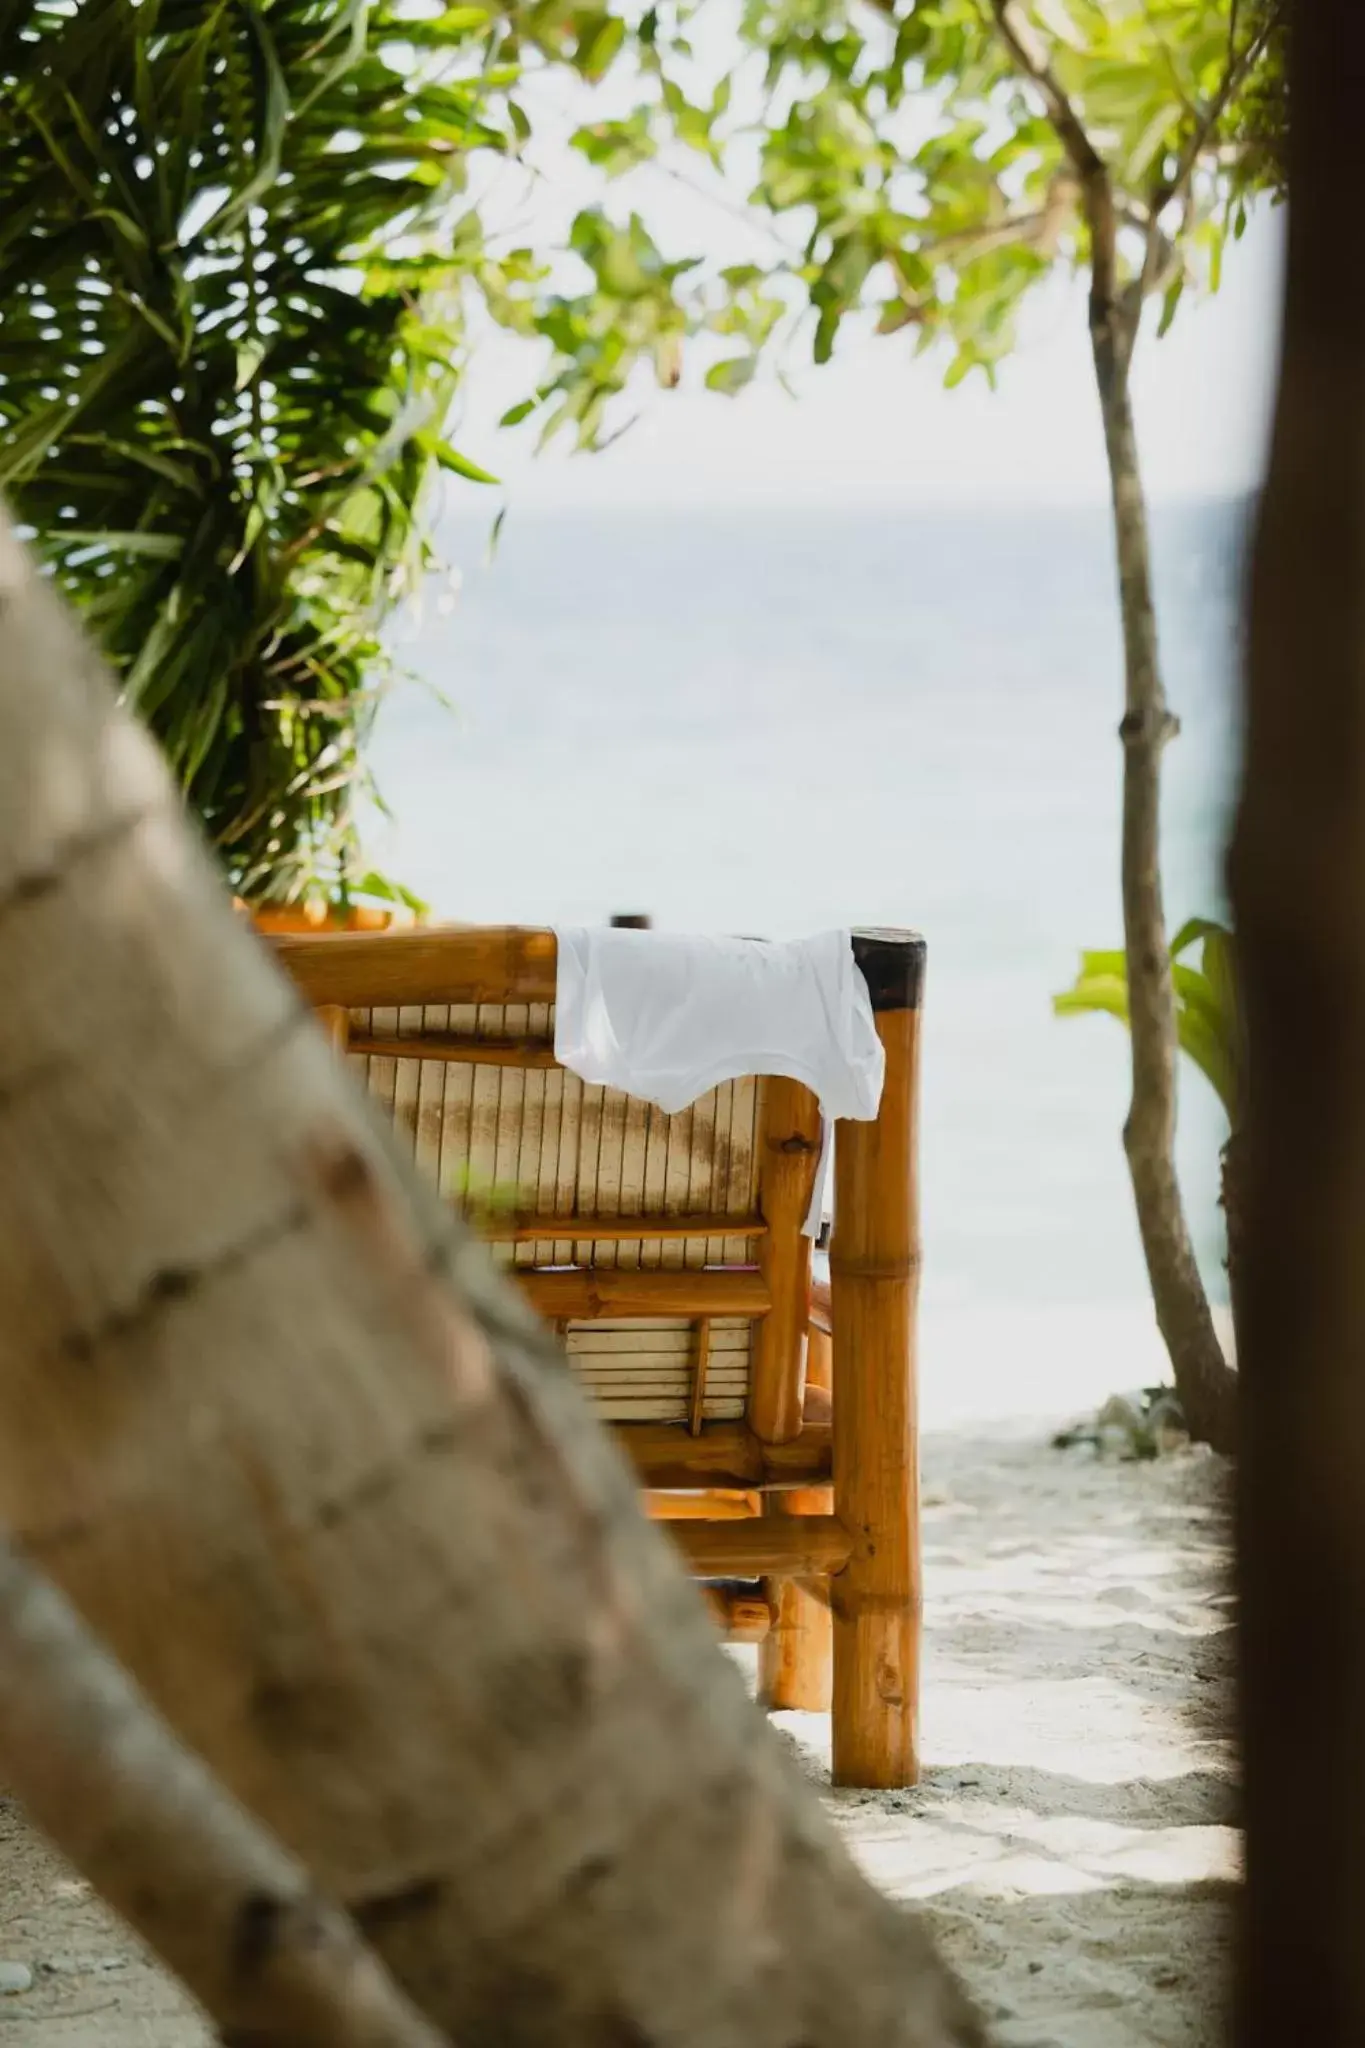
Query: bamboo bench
x,y
668,1251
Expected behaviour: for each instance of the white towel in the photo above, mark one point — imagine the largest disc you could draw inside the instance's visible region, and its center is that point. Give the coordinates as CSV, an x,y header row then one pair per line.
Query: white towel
x,y
666,1017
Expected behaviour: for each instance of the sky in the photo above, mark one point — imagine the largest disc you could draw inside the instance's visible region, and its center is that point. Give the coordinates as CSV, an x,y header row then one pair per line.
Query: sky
x,y
875,427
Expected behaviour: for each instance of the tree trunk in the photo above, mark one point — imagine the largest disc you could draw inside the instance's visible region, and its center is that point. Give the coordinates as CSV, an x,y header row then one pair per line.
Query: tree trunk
x,y
323,1485
1298,883
1204,1381
99,1771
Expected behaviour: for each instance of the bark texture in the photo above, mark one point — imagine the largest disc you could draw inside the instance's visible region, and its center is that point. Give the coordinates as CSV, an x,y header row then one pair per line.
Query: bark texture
x,y
1204,1381
273,1964
323,1486
1298,880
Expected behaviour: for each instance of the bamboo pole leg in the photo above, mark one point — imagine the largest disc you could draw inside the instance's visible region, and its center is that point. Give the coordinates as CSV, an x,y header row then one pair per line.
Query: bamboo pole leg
x,y
795,1657
741,1615
874,1272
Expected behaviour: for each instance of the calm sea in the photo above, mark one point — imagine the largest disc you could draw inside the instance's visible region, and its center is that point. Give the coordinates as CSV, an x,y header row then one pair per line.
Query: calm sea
x,y
777,722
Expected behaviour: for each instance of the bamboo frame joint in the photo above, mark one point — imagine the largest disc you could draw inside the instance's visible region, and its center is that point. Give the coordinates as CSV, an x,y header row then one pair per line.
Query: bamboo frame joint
x,y
874,1269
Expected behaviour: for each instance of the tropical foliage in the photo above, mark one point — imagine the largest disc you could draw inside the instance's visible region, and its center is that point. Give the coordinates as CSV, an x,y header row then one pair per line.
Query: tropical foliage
x,y
236,238
1208,1016
927,166
228,346
1259,121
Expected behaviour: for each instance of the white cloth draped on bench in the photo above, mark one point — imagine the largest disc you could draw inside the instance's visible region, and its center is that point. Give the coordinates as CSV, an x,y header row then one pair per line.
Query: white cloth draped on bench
x,y
665,1016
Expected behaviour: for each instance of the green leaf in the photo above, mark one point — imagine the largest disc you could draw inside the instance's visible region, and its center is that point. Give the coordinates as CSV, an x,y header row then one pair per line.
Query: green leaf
x,y
1193,932
346,37
1170,304
732,375
1207,1024
268,143
44,427
1094,996
895,315
161,547
599,48
383,889
615,147
450,458
249,360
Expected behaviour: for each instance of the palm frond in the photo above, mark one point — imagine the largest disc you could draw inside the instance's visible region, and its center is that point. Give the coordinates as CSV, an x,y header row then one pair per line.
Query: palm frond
x,y
229,344
1207,1014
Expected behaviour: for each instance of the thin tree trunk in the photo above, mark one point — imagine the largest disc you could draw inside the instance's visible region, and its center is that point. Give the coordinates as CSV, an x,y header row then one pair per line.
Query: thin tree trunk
x,y
101,1772
1298,883
1205,1383
294,1450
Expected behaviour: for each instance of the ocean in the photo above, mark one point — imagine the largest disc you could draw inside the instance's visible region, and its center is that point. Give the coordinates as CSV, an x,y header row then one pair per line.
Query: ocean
x,y
775,722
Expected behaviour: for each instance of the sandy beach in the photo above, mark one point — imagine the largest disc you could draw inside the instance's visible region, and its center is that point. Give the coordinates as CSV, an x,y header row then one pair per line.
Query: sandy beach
x,y
1074,1839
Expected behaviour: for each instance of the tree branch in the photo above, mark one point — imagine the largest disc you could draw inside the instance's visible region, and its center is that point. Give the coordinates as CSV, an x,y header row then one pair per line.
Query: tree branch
x,y
991,235
1031,57
1161,256
1157,261
1234,76
1168,59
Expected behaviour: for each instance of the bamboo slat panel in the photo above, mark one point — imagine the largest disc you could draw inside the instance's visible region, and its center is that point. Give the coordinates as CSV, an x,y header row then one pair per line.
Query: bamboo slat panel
x,y
510,1128
407,1078
741,1166
539,1110
642,1371
535,1141
657,1127
527,1141
485,1104
583,1293
431,1091
380,1072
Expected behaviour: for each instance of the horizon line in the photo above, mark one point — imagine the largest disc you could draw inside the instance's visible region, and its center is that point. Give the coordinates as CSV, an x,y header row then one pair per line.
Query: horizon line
x,y
556,507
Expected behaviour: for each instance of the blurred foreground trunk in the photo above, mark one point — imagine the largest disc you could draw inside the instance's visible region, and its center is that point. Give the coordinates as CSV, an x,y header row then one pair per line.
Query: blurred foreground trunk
x,y
1298,877
157,1834
1232,1202
323,1486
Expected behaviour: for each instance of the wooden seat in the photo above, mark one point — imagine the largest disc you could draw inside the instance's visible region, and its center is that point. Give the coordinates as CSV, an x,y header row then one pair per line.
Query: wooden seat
x,y
668,1252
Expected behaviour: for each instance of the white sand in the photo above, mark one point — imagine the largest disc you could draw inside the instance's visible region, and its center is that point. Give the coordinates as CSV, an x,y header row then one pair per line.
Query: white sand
x,y
1074,1837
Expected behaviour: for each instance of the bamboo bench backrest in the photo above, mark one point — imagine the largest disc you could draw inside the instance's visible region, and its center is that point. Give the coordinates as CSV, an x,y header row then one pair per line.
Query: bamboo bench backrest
x,y
667,1248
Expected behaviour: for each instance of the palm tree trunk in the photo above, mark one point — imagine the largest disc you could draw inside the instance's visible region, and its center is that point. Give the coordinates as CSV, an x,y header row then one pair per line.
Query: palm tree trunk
x,y
290,1446
98,1771
1298,883
1205,1384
